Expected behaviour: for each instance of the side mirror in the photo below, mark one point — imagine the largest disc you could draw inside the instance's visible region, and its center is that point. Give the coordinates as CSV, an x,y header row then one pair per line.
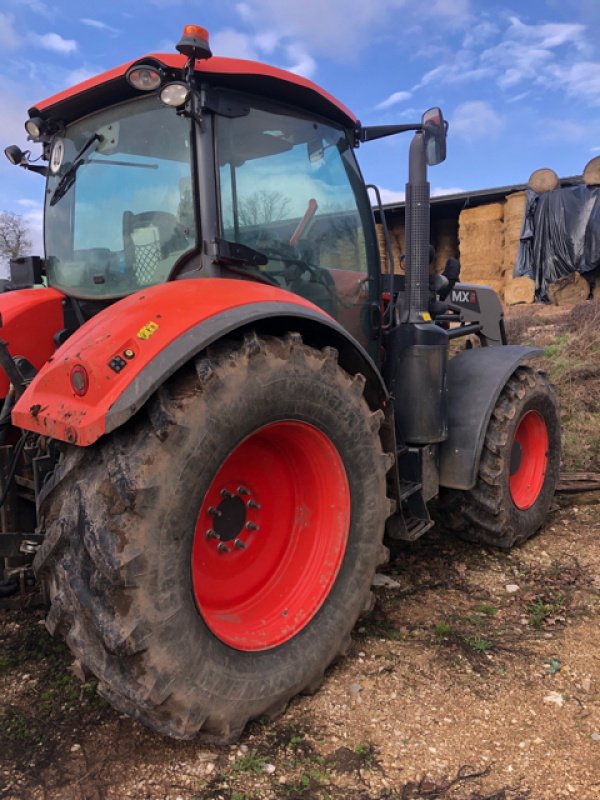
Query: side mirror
x,y
20,158
15,155
435,129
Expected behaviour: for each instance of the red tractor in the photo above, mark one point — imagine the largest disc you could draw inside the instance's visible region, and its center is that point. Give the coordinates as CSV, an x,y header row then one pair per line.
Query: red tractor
x,y
216,403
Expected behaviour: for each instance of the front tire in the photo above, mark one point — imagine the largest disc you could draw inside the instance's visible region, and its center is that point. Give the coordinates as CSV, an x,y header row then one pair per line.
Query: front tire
x,y
518,469
208,561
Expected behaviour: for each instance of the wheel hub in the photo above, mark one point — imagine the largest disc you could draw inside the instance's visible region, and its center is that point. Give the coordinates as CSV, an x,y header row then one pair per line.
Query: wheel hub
x,y
234,519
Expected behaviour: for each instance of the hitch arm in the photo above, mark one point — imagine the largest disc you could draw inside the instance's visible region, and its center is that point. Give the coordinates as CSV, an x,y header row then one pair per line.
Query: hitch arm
x,y
14,374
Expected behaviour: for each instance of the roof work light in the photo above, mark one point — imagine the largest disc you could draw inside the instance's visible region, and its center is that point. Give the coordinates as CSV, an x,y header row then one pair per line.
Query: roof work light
x,y
144,77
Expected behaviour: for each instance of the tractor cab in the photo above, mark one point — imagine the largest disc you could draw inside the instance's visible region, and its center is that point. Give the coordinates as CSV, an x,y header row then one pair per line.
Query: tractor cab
x,y
212,168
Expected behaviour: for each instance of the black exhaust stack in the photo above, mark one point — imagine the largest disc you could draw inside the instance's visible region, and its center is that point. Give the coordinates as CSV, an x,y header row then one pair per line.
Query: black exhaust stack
x,y
417,233
417,349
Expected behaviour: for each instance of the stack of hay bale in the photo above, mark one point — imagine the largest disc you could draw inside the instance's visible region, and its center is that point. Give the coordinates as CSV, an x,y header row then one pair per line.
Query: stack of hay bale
x,y
516,290
397,243
445,243
481,238
385,267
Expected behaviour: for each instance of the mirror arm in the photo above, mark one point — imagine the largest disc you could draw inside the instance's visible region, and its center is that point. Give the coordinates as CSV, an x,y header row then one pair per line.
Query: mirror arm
x,y
370,132
35,168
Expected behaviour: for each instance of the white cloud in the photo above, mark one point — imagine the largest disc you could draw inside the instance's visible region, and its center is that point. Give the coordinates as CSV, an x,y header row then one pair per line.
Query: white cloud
x,y
37,7
79,75
393,99
547,35
548,56
595,149
99,25
13,113
518,97
563,130
440,191
581,79
454,11
232,43
458,71
302,62
336,28
54,42
244,11
528,53
479,33
267,41
389,196
9,38
475,119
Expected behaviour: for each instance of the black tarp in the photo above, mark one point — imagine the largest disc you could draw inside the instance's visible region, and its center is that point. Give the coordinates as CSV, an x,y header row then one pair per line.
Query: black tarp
x,y
560,235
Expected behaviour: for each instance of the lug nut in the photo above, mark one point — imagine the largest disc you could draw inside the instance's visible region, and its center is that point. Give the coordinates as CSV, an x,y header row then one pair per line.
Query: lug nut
x,y
253,504
222,548
239,544
210,534
225,494
214,512
252,526
242,490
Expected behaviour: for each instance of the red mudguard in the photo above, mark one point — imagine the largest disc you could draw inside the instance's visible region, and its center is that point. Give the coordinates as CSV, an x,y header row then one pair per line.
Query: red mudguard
x,y
131,346
29,318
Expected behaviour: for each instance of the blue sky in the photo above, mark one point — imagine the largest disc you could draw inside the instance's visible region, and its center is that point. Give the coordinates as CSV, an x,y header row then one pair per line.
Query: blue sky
x,y
519,83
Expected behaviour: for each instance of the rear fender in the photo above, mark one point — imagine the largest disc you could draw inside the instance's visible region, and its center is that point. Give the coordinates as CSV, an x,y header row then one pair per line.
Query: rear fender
x,y
29,318
132,347
475,380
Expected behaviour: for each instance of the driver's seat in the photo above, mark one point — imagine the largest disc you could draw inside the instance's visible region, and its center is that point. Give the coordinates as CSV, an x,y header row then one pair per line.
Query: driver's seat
x,y
144,237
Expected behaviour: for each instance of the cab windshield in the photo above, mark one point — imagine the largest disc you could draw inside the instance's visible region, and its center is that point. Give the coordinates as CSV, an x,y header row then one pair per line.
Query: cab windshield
x,y
119,210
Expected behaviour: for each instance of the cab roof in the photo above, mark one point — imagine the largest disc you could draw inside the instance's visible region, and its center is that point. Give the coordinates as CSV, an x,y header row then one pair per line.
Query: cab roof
x,y
232,73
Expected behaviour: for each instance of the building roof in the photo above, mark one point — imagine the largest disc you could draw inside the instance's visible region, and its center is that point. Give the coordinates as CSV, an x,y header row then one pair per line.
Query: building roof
x,y
478,197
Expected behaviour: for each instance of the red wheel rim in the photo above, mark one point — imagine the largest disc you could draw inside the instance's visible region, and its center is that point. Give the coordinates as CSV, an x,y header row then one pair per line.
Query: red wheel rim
x,y
529,460
271,535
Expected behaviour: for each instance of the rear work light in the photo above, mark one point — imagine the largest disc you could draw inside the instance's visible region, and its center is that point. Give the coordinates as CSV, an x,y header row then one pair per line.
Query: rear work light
x,y
80,381
144,78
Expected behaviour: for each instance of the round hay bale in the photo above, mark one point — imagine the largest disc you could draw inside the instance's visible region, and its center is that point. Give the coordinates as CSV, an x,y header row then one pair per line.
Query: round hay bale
x,y
569,290
518,290
543,180
591,173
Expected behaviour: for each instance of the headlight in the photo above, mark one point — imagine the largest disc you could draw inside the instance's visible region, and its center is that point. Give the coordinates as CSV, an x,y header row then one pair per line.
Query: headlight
x,y
174,94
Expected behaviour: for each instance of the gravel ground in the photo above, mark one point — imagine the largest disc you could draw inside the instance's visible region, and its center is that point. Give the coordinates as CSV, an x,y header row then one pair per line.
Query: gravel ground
x,y
476,676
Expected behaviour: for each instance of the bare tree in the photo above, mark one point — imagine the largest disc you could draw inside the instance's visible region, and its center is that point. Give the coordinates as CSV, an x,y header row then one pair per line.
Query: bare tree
x,y
262,207
14,236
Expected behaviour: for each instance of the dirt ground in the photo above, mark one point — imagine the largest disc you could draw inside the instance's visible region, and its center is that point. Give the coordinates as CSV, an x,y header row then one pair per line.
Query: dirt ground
x,y
477,677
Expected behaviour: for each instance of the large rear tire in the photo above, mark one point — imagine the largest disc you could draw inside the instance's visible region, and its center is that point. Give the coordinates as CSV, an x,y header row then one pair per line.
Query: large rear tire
x,y
208,562
518,470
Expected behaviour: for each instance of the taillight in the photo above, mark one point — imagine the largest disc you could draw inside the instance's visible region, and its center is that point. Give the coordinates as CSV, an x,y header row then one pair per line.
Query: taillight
x,y
80,380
